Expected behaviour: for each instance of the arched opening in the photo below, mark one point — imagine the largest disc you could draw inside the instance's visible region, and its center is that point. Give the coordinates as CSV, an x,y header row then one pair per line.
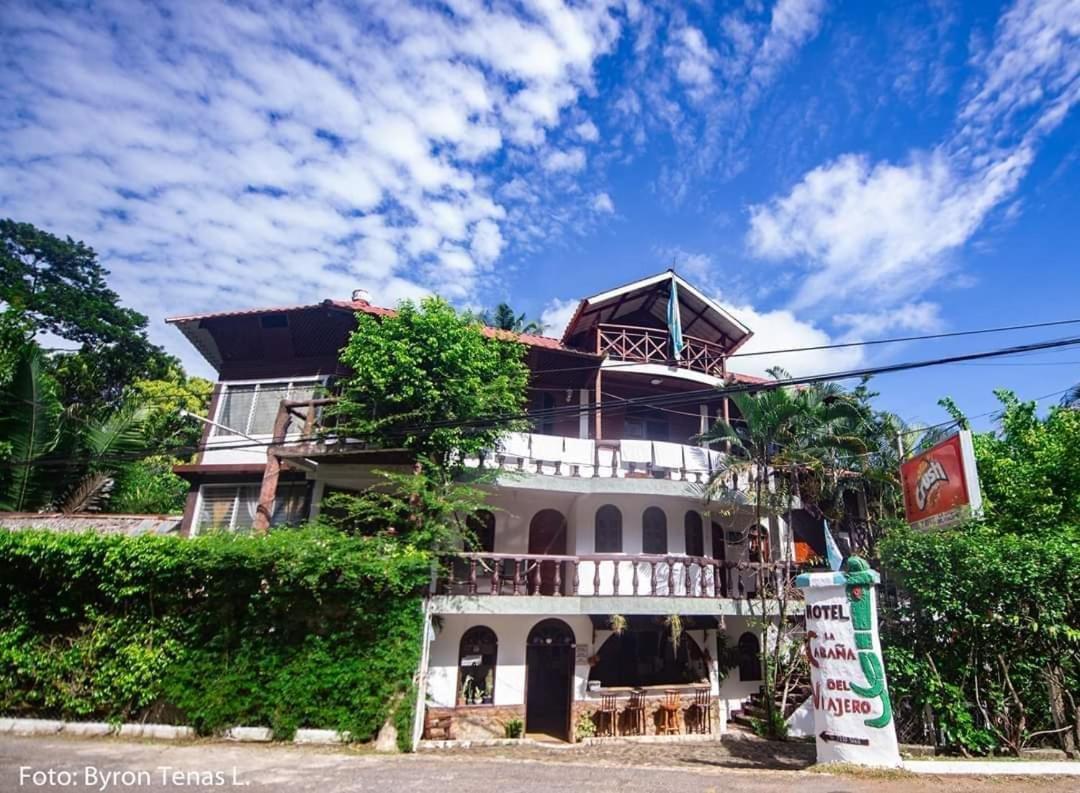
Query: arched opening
x,y
694,534
478,656
549,675
654,531
644,655
482,525
608,536
749,651
547,536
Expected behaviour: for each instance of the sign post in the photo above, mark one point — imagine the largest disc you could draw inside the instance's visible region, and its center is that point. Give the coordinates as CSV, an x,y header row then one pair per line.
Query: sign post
x,y
853,718
941,485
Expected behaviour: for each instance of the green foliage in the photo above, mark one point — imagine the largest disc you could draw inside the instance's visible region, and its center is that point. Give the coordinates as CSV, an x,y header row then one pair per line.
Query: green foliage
x,y
505,318
515,728
424,365
58,285
30,423
989,612
297,628
1030,469
428,508
164,398
148,486
584,727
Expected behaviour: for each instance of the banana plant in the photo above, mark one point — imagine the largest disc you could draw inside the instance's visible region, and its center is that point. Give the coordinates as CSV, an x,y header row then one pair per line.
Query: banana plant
x,y
31,423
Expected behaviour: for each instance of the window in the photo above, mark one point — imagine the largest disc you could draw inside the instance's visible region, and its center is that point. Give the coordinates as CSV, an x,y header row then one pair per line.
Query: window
x,y
695,534
749,652
478,656
654,531
252,409
608,530
233,506
482,525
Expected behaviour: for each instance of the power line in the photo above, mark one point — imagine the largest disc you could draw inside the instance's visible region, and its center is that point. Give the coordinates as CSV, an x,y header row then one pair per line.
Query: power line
x,y
657,401
838,346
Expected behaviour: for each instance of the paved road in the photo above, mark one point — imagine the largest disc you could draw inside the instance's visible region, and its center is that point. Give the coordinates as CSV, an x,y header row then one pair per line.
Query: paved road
x,y
57,764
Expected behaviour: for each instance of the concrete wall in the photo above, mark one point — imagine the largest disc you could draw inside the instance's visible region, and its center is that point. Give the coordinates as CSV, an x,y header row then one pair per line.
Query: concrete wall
x,y
512,633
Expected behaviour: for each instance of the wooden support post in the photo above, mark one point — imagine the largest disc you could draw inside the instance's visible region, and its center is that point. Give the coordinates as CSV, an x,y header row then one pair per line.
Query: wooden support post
x,y
268,490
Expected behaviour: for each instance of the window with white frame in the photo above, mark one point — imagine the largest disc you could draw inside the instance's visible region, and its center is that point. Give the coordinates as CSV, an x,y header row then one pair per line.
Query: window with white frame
x,y
251,409
233,507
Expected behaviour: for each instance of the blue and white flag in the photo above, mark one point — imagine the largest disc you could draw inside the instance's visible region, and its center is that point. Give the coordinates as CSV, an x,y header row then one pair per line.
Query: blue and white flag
x,y
674,320
836,559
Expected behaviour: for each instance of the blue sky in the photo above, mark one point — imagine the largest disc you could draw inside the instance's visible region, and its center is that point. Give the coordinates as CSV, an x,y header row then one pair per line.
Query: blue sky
x,y
830,171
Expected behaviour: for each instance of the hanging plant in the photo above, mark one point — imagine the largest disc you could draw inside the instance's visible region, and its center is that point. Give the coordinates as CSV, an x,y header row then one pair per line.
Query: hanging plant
x,y
618,624
674,625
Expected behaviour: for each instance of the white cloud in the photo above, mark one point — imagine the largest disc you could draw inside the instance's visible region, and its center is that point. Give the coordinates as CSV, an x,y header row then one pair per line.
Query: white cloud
x,y
556,316
693,59
602,203
917,317
220,156
569,160
883,232
793,23
783,330
587,131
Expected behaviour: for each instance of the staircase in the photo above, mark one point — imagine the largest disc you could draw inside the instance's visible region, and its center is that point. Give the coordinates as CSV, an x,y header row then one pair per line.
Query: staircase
x,y
754,706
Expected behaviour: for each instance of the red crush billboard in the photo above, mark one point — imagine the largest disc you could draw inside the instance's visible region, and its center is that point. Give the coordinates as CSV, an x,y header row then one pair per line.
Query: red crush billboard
x,y
941,485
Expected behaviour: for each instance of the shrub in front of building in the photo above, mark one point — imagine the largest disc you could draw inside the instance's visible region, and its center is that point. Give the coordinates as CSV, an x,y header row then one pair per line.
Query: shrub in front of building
x,y
297,628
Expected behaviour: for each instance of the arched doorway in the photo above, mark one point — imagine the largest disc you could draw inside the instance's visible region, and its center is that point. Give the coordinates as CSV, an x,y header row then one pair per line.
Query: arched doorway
x,y
549,676
547,535
749,652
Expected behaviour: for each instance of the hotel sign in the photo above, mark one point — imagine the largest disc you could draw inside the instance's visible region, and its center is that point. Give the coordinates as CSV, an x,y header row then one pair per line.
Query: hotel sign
x,y
853,718
941,485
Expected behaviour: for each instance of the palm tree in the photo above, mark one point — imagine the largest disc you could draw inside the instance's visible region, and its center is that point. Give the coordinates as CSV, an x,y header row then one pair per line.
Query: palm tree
x,y
505,318
1071,399
794,432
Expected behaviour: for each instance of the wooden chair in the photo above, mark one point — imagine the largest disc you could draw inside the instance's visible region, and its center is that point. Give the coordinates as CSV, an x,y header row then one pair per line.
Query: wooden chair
x,y
670,713
701,708
607,717
634,714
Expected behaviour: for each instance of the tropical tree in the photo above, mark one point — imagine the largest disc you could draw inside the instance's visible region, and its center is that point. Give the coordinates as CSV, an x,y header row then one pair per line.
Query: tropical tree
x,y
505,318
429,382
58,286
783,436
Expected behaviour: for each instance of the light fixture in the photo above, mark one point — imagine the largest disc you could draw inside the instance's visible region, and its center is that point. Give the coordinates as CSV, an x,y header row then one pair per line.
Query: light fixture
x,y
655,381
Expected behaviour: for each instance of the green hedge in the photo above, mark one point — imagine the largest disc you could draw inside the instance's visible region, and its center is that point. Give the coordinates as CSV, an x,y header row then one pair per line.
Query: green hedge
x,y
298,628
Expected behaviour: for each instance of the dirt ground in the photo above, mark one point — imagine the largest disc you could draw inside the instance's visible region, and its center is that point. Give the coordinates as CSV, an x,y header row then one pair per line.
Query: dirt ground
x,y
70,764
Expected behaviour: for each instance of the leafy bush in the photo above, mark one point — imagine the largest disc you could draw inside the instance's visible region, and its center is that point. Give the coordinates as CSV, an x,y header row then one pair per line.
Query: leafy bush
x,y
298,628
515,728
585,727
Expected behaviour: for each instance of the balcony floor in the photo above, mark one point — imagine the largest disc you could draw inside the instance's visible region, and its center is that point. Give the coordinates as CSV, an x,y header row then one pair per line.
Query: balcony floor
x,y
599,604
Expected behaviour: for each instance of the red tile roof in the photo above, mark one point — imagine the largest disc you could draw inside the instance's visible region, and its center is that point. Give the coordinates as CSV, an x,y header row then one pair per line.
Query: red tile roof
x,y
528,339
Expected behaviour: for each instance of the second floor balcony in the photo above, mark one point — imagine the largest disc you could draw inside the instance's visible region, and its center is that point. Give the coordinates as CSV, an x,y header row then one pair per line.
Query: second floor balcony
x,y
619,575
633,344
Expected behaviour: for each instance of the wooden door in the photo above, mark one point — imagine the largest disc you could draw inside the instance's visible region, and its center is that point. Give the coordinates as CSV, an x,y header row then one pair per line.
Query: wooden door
x,y
547,535
549,675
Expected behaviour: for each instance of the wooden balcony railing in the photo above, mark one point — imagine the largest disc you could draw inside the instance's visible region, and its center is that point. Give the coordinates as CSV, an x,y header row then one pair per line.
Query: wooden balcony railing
x,y
650,345
642,575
